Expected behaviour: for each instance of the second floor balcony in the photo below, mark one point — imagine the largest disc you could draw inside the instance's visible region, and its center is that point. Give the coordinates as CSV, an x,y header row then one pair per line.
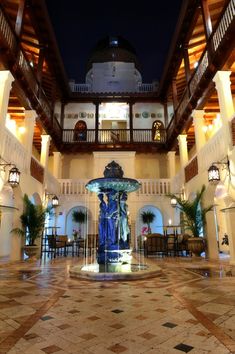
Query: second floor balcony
x,y
119,139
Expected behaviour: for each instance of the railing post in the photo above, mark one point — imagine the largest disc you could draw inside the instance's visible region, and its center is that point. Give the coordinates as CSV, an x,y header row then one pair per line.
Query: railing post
x,y
131,120
97,122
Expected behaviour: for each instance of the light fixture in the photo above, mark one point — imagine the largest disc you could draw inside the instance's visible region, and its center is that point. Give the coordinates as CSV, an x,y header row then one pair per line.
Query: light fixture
x,y
173,202
214,172
54,199
14,177
14,173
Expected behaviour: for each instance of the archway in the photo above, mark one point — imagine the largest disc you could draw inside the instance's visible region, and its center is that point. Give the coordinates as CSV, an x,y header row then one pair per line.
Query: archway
x,y
70,225
80,131
157,129
156,225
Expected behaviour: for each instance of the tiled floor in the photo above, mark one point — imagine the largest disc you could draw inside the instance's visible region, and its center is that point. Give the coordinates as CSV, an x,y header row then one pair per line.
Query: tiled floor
x,y
189,308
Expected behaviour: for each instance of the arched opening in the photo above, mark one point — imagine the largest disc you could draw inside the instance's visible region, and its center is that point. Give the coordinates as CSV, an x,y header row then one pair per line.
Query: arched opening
x,y
80,131
156,225
81,228
157,129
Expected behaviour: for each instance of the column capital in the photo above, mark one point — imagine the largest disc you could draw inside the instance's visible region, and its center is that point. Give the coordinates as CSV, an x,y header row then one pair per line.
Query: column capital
x,y
45,138
171,154
182,138
57,153
198,114
6,75
30,114
221,76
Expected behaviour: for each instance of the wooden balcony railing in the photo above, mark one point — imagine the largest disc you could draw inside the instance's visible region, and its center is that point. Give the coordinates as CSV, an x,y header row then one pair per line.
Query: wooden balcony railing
x,y
114,136
22,69
191,170
223,29
149,187
37,170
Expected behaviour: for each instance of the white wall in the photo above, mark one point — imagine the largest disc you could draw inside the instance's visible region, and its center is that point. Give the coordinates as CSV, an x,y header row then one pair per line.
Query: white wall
x,y
74,112
142,110
114,77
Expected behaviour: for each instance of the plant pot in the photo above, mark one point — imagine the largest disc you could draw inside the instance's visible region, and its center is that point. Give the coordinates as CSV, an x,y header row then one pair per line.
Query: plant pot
x,y
196,245
32,252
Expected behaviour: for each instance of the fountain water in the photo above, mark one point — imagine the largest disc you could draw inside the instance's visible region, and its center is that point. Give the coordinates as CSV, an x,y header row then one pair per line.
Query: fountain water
x,y
114,259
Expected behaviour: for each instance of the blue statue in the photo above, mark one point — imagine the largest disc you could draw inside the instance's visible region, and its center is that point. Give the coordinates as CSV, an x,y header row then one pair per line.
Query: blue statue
x,y
124,227
102,220
113,220
112,216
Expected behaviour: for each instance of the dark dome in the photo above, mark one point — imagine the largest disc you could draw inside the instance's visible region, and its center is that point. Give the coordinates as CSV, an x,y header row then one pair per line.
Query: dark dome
x,y
114,48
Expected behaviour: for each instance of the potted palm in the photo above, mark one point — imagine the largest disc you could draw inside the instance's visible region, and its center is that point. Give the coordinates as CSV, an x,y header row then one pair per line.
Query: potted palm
x,y
147,217
79,217
32,222
194,220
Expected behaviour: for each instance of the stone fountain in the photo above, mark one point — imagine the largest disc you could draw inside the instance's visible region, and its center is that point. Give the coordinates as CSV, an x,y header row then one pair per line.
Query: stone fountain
x,y
114,259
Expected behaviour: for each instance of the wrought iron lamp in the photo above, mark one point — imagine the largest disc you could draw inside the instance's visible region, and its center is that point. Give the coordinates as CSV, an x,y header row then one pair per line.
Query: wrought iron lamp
x,y
214,172
14,173
54,199
173,202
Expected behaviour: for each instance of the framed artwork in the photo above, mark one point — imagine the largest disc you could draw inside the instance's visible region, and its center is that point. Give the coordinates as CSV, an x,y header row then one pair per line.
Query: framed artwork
x,y
159,115
153,115
137,115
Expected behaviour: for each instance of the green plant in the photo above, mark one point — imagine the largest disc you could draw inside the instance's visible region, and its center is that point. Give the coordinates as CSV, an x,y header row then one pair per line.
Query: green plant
x,y
79,217
147,217
194,214
32,221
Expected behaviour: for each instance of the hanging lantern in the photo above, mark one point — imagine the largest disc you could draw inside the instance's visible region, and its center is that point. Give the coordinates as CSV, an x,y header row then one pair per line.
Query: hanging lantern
x,y
14,177
213,174
55,201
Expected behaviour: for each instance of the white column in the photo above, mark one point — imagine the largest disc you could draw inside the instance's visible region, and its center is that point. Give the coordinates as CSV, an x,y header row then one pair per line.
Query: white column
x,y
27,140
171,164
183,149
57,164
230,223
6,80
212,245
45,150
223,87
198,121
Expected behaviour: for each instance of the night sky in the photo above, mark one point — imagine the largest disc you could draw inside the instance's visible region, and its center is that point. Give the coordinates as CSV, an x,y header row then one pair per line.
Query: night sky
x,y
148,26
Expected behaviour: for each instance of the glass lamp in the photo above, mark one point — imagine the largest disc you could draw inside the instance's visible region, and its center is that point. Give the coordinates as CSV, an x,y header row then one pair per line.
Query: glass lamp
x,y
55,201
213,174
14,177
173,202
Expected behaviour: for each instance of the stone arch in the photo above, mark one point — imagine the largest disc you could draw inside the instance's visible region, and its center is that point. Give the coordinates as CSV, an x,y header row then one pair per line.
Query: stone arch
x,y
36,199
157,129
156,226
70,225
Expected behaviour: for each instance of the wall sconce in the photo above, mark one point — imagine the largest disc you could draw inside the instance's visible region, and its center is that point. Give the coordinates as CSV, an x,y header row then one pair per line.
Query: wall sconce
x,y
214,173
174,198
14,173
54,200
173,202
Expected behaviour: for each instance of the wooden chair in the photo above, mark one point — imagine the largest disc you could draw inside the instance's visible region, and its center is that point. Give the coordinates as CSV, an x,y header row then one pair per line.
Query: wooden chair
x,y
155,244
89,243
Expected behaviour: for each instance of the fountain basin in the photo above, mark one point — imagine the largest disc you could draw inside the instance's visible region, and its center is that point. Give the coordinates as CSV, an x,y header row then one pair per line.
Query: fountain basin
x,y
103,184
100,272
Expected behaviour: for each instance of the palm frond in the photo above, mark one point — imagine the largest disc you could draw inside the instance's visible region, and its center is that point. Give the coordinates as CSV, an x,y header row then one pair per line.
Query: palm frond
x,y
195,214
